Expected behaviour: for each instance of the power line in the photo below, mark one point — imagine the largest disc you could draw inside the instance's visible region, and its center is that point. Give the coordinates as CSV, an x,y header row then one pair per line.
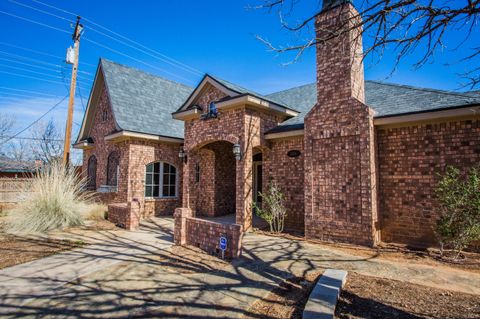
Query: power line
x,y
24,95
28,91
30,50
32,21
31,138
36,121
135,59
31,77
99,44
29,59
31,71
159,55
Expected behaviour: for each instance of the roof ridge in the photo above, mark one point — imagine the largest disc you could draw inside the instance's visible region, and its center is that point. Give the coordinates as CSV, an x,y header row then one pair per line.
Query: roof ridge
x,y
145,72
421,88
292,88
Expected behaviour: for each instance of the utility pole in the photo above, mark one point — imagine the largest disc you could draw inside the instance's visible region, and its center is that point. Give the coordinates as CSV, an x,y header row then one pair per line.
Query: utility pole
x,y
74,61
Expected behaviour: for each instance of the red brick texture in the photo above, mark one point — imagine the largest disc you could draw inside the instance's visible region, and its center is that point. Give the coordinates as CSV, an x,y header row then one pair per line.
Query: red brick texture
x,y
241,125
134,156
287,172
206,234
409,160
340,184
125,215
100,128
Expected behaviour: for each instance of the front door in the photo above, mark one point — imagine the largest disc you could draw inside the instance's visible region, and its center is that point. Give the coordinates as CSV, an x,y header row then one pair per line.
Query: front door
x,y
257,183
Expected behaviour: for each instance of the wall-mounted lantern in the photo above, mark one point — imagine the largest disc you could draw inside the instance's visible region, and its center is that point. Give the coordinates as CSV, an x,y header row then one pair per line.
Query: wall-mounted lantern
x,y
237,151
182,155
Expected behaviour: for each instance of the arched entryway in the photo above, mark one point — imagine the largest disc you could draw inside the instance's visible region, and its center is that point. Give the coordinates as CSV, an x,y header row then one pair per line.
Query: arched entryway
x,y
213,180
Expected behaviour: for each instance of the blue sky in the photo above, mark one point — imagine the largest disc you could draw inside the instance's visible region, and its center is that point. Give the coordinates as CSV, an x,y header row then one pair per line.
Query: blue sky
x,y
217,37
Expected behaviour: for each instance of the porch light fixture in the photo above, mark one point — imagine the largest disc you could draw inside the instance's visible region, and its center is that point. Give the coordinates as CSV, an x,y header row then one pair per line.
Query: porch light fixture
x,y
182,155
237,151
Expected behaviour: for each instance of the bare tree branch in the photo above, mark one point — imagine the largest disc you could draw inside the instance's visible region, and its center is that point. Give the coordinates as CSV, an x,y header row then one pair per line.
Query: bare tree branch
x,y
405,26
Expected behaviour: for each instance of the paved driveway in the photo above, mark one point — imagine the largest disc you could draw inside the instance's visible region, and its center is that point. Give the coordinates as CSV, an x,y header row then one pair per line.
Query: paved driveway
x,y
142,279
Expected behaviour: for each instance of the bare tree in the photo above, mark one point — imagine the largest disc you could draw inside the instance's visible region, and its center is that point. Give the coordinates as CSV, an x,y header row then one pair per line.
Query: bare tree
x,y
404,26
47,145
19,150
6,125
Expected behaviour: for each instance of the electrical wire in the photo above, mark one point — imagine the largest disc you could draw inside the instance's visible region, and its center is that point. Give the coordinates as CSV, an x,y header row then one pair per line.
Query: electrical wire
x,y
159,55
28,91
36,121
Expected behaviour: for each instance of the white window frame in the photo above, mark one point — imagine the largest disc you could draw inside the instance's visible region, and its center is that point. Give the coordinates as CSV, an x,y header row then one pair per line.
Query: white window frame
x,y
160,185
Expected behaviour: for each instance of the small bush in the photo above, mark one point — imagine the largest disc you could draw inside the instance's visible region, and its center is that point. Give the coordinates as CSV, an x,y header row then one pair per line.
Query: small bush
x,y
53,199
459,197
273,209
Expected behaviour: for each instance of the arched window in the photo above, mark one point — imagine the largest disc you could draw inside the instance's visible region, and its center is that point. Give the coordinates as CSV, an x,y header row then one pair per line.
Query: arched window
x,y
160,180
92,173
112,168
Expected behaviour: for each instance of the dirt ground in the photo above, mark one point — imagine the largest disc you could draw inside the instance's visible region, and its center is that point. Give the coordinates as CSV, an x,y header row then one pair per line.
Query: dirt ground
x,y
18,250
371,297
396,252
286,301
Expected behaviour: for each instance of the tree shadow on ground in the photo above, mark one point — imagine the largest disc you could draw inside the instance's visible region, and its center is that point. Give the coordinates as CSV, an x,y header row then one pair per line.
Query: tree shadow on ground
x,y
149,280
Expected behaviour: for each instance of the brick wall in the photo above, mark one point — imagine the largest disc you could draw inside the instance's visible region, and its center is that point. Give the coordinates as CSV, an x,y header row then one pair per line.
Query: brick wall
x,y
99,129
240,125
340,182
134,156
142,153
206,234
409,159
287,172
125,215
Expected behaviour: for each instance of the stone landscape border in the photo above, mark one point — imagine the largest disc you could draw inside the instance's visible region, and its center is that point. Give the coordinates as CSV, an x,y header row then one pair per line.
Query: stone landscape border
x,y
323,299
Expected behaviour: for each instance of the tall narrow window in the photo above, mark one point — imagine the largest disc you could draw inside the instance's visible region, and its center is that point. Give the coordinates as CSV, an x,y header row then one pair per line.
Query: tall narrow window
x,y
160,180
197,173
112,168
92,173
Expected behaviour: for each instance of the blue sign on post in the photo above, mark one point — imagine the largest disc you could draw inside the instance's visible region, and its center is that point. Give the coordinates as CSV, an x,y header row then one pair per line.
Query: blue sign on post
x,y
223,243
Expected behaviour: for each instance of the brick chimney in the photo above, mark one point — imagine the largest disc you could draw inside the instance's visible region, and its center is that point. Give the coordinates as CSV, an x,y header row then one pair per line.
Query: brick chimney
x,y
340,187
339,51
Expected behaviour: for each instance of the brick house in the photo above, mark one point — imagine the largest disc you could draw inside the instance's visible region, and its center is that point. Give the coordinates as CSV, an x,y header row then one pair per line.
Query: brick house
x,y
356,160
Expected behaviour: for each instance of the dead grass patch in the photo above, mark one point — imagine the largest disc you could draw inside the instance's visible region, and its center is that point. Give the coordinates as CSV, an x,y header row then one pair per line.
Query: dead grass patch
x,y
287,300
18,250
371,297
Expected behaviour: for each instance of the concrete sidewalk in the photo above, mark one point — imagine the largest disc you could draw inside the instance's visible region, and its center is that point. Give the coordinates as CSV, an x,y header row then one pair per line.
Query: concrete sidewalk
x,y
142,279
105,249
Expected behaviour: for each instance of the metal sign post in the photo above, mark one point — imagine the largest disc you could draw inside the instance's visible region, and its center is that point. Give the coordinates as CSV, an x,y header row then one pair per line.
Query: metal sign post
x,y
223,245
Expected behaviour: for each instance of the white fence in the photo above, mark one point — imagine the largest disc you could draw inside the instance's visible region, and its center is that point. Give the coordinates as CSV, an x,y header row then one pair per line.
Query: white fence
x,y
11,189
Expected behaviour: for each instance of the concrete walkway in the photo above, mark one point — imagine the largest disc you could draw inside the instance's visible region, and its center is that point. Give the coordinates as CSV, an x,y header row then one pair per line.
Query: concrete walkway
x,y
104,249
141,279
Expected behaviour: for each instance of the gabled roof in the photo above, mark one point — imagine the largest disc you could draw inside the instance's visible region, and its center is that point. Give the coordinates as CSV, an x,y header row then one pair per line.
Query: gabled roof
x,y
231,90
142,102
385,98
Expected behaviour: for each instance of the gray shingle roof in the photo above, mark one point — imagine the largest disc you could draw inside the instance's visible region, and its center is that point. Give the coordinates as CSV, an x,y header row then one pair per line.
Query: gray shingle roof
x,y
143,102
241,90
385,98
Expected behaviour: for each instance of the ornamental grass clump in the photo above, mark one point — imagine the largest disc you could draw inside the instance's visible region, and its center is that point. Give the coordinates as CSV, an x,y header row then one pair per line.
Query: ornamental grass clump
x,y
53,199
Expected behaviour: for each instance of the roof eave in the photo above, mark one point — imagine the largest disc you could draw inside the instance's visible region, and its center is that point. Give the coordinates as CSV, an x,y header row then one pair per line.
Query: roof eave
x,y
468,110
125,135
252,100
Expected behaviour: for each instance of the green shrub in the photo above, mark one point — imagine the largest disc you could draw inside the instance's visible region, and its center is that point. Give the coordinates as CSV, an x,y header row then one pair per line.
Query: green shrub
x,y
273,209
459,197
53,199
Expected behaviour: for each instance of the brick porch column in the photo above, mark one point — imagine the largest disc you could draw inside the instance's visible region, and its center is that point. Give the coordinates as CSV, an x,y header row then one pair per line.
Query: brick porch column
x,y
180,225
244,188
